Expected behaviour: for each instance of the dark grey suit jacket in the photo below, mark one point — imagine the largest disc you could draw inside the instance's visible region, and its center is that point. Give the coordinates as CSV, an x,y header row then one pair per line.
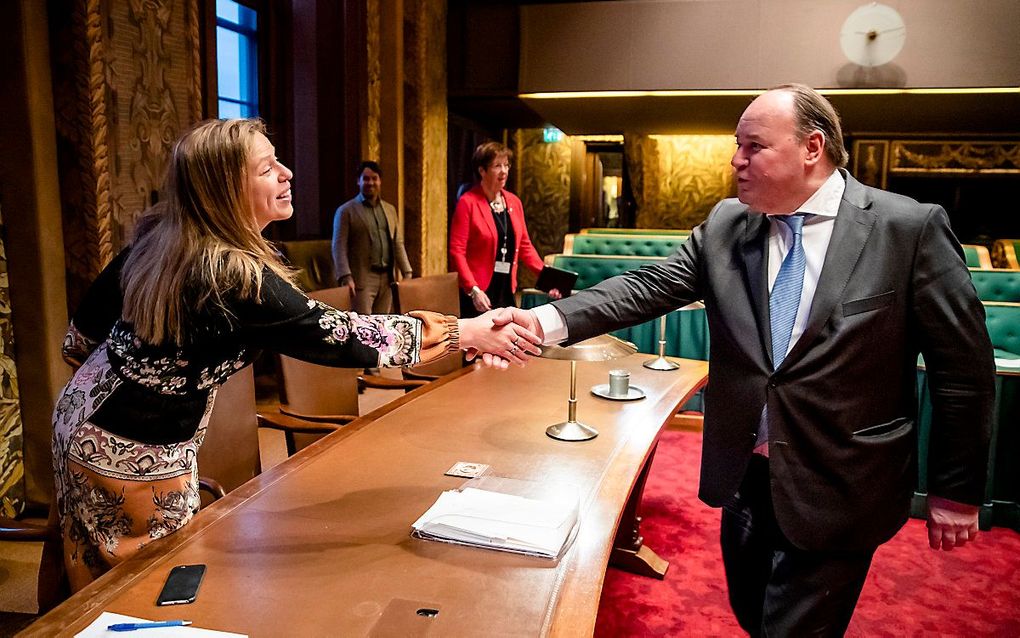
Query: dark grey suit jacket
x,y
842,406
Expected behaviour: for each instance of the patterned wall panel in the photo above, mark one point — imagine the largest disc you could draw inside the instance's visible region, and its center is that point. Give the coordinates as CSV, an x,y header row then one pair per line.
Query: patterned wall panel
x,y
12,469
677,179
374,85
544,178
425,136
127,82
153,72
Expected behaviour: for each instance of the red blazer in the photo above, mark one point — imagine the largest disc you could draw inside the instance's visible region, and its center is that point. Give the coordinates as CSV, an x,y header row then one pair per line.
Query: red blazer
x,y
473,240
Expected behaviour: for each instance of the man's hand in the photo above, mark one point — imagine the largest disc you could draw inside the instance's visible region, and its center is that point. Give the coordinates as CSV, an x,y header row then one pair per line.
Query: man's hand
x,y
504,316
524,318
348,282
950,524
499,343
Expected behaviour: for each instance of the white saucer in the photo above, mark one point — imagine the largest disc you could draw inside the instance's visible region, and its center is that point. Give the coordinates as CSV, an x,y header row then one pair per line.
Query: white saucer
x,y
633,393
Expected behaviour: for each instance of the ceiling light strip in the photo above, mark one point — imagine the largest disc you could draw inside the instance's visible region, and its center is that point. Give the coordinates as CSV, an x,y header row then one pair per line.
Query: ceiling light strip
x,y
568,95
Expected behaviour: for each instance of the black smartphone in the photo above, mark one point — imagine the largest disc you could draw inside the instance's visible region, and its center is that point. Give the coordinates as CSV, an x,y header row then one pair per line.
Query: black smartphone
x,y
181,585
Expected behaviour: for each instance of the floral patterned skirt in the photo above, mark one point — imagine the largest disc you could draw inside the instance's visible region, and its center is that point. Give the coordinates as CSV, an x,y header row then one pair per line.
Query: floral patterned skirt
x,y
114,494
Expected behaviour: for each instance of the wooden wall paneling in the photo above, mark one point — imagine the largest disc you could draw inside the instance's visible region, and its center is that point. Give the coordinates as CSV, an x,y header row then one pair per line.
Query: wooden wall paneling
x,y
30,194
425,135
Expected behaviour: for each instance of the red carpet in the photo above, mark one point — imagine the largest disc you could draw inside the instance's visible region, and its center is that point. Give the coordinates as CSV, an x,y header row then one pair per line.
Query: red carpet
x,y
911,590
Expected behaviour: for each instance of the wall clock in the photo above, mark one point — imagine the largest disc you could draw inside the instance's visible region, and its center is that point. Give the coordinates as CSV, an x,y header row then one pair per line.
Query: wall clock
x,y
873,35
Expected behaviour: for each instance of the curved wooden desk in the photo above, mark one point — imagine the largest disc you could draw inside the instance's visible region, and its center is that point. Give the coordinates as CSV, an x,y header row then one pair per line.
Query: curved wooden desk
x,y
320,544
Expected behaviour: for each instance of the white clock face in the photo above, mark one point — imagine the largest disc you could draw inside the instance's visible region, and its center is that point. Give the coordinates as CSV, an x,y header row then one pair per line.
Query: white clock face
x,y
873,35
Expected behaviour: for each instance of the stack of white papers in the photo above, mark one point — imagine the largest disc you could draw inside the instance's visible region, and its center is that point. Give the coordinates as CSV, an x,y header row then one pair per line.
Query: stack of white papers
x,y
496,520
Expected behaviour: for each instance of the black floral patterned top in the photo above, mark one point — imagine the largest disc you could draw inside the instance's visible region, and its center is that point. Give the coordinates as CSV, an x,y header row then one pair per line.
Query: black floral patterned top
x,y
165,388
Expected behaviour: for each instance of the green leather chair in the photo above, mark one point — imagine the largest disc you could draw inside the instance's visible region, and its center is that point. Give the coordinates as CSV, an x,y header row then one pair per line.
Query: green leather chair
x,y
996,284
977,256
591,269
635,231
1003,323
623,245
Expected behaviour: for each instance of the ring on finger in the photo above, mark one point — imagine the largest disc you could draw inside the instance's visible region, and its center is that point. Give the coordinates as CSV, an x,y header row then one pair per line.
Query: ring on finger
x,y
516,341
513,349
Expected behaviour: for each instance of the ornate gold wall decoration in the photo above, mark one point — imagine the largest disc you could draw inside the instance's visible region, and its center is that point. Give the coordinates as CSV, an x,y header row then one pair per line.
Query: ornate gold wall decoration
x,y
374,85
945,157
191,11
544,188
12,468
425,135
145,59
677,179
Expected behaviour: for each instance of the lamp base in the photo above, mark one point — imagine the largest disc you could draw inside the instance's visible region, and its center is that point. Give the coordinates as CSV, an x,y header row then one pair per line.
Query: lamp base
x,y
571,431
660,363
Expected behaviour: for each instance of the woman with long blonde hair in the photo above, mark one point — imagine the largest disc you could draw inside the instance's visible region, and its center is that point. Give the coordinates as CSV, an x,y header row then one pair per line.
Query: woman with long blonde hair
x,y
194,298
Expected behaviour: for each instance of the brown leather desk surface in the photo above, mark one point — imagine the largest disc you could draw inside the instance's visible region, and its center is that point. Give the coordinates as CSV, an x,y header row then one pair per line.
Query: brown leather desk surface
x,y
320,545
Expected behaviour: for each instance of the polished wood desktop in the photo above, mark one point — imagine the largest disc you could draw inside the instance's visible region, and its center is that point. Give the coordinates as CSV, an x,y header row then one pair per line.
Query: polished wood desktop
x,y
320,544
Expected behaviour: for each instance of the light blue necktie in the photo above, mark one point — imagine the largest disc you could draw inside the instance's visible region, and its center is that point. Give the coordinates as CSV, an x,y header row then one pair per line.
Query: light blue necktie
x,y
785,297
783,304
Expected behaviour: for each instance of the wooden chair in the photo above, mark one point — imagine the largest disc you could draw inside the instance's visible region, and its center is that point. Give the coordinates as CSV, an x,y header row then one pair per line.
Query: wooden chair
x,y
438,293
314,399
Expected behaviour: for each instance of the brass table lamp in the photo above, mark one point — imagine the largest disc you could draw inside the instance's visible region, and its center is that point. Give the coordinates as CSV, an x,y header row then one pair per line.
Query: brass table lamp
x,y
603,348
661,362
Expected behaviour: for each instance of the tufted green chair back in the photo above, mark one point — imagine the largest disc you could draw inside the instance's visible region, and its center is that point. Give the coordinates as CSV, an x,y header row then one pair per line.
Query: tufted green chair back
x,y
1003,323
996,285
623,245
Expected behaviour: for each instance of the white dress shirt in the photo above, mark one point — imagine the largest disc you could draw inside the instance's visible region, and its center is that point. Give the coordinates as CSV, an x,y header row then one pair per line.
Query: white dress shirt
x,y
822,207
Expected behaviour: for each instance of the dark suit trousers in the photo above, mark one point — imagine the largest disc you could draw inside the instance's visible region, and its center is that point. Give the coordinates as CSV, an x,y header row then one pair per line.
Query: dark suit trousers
x,y
777,589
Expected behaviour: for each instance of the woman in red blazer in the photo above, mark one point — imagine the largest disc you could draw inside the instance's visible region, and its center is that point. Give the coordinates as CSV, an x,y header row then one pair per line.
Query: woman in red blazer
x,y
488,237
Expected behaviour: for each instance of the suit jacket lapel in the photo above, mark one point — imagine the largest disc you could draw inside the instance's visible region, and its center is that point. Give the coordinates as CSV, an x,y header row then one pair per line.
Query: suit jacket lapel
x,y
852,228
756,236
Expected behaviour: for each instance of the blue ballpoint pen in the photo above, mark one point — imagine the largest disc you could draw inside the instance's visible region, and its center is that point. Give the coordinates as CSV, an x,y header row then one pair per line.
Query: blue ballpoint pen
x,y
131,626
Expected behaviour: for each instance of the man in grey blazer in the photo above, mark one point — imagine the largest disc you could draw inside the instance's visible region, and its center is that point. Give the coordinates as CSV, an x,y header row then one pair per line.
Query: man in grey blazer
x,y
810,436
368,244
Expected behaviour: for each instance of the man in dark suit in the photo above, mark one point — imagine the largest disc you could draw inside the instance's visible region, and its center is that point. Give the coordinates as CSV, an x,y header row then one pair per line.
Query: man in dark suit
x,y
820,293
368,244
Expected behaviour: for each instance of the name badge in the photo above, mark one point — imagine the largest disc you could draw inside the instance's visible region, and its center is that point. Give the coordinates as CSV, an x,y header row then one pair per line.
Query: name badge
x,y
503,267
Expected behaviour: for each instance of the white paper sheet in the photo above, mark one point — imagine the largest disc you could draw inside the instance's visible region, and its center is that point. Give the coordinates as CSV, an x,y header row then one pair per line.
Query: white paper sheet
x,y
98,629
500,521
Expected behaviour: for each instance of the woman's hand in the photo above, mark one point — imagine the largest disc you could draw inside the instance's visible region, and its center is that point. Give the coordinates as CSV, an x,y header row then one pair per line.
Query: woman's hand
x,y
480,300
506,343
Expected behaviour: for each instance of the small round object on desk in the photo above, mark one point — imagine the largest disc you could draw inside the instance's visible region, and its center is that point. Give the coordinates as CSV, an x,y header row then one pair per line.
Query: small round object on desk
x,y
633,393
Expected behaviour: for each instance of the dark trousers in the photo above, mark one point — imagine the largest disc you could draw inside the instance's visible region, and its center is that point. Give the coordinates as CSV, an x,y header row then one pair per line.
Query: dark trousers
x,y
777,589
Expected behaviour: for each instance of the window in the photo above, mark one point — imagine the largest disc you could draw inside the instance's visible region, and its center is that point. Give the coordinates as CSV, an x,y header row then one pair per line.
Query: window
x,y
237,68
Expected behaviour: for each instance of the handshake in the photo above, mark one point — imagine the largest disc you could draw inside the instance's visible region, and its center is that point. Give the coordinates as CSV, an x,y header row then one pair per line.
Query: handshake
x,y
501,337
